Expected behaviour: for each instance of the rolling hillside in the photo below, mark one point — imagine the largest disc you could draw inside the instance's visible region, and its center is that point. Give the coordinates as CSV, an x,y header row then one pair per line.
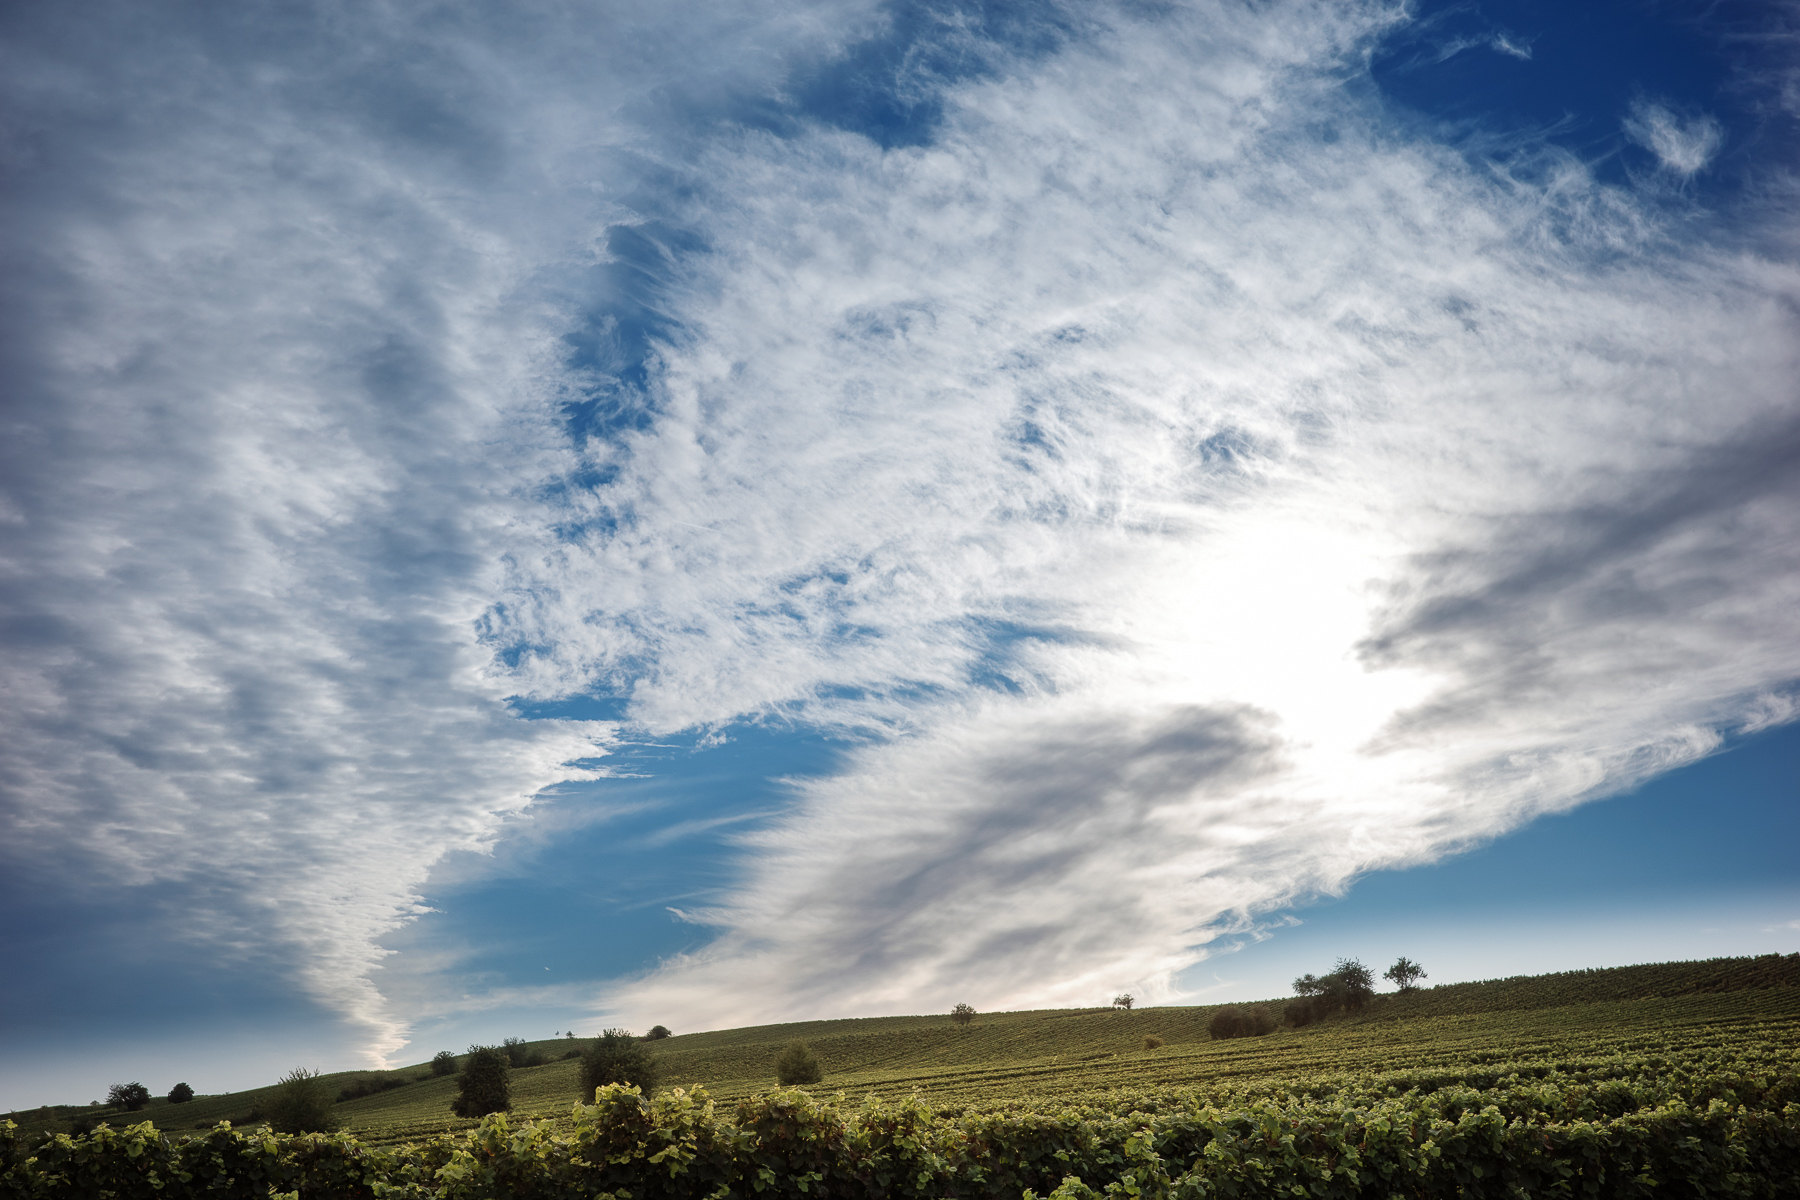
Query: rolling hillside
x,y
1570,1021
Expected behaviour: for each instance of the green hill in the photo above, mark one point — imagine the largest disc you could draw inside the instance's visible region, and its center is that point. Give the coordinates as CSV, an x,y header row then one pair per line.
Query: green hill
x,y
1470,1031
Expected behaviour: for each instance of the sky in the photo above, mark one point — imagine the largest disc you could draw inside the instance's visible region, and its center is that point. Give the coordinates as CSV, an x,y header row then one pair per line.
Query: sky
x,y
531,518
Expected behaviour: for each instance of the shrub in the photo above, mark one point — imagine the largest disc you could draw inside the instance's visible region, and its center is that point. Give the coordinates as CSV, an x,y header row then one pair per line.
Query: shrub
x,y
962,1014
485,1085
301,1104
128,1097
1298,1013
658,1033
1152,1042
443,1063
181,1093
1239,1022
371,1085
616,1057
798,1065
521,1055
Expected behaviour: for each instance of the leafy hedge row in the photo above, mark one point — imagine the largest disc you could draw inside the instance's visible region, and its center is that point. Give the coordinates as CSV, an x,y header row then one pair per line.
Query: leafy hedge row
x,y
1536,1138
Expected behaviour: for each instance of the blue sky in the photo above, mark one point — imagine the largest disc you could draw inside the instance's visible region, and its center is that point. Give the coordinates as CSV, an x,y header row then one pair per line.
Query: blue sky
x,y
597,514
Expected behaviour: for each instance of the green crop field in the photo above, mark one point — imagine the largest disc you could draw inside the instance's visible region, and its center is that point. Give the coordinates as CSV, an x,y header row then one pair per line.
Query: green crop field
x,y
1679,1079
1729,1010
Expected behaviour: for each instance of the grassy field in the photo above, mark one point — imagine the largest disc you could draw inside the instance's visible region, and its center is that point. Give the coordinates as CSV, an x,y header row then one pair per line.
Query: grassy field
x,y
1726,1010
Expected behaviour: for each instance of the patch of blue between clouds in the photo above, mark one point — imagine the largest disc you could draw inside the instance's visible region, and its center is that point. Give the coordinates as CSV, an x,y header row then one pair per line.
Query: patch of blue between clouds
x,y
594,895
1496,76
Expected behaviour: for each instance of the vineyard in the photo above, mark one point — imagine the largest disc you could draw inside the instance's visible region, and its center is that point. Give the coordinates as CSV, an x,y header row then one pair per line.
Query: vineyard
x,y
1677,1079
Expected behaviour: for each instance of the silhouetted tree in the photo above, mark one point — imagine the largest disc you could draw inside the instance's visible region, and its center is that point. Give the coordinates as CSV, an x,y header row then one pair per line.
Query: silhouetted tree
x,y
1358,982
128,1096
181,1093
798,1065
301,1104
1405,973
962,1014
485,1085
1349,985
616,1057
1124,1001
443,1063
657,1033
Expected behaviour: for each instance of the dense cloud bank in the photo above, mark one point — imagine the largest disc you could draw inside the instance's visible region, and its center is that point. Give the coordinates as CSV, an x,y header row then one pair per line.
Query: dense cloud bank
x,y
1193,487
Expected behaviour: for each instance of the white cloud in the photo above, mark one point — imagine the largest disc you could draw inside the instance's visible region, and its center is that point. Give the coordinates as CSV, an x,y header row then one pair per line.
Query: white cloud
x,y
1683,146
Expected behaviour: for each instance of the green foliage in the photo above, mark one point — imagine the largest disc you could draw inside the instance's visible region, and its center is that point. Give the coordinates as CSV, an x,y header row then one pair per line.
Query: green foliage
x,y
962,1014
798,1065
301,1104
181,1093
657,1033
1405,973
616,1057
128,1097
372,1085
1633,1130
519,1053
443,1063
1348,986
1124,1000
1234,1022
485,1085
1152,1042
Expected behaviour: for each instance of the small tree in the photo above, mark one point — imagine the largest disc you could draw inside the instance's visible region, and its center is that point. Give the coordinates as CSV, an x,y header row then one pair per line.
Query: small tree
x,y
798,1065
657,1033
443,1063
181,1093
1405,973
962,1014
616,1057
485,1085
128,1096
1357,981
1124,1001
301,1104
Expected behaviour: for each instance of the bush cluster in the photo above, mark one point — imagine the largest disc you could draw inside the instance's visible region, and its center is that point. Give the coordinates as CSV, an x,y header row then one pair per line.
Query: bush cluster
x,y
616,1057
1239,1023
798,1065
485,1085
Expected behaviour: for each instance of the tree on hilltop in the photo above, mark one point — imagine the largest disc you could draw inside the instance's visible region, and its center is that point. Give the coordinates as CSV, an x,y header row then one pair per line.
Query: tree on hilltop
x,y
443,1063
658,1033
128,1097
1124,1000
1405,973
181,1093
962,1014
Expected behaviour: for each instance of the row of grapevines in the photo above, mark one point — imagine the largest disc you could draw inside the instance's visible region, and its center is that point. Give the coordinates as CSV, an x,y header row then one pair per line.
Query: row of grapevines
x,y
1627,1133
